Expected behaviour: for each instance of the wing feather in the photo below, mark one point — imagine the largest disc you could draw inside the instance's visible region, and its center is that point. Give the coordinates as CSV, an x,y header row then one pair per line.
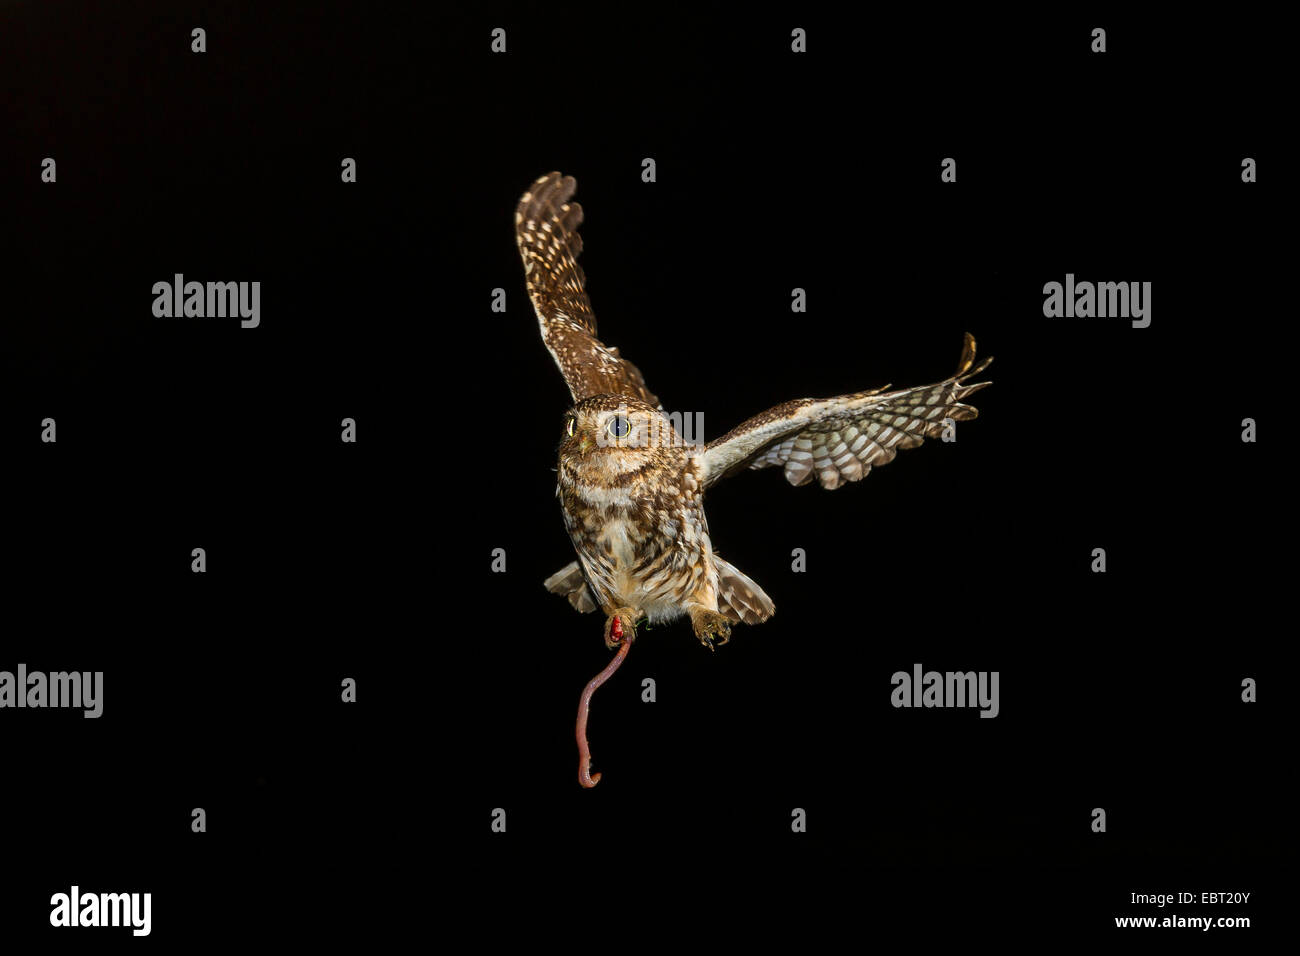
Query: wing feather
x,y
546,229
841,439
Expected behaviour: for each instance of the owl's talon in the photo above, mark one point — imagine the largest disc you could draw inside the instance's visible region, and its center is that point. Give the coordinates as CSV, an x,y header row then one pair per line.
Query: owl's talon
x,y
710,626
620,627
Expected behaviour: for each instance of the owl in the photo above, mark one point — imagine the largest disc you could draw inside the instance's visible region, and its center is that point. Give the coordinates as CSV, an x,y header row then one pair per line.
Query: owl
x,y
631,489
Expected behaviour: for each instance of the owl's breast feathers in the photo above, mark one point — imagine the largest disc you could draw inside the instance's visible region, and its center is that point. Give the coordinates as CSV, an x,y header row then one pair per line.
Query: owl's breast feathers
x,y
643,543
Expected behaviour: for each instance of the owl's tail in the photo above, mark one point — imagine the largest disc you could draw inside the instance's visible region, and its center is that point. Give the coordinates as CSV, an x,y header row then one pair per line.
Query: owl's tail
x,y
739,598
570,582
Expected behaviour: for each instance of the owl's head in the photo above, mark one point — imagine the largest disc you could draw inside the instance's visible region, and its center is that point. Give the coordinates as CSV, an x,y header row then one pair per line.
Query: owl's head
x,y
611,436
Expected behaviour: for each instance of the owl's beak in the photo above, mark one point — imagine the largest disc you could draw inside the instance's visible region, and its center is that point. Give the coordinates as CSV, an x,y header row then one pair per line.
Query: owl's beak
x,y
584,442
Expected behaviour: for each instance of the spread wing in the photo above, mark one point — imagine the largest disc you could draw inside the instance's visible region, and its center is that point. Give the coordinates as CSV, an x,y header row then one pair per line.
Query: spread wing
x,y
840,439
546,228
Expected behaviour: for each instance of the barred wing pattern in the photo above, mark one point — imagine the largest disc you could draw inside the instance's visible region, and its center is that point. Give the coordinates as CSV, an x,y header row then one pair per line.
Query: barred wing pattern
x,y
840,439
546,229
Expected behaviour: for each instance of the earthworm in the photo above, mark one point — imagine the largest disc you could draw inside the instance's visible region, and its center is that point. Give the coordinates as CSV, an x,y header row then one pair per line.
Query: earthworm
x,y
585,776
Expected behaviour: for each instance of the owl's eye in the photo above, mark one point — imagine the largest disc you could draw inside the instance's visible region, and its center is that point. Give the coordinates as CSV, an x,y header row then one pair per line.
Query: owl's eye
x,y
619,426
573,423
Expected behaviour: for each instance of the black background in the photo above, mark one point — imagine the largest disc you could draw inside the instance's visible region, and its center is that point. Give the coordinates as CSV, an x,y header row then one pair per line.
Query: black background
x,y
373,560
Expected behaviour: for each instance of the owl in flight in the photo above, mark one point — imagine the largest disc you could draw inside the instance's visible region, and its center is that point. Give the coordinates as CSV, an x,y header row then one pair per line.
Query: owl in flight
x,y
632,491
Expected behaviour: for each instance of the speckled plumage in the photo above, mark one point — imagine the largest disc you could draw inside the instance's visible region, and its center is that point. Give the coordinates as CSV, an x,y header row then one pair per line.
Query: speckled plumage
x,y
633,503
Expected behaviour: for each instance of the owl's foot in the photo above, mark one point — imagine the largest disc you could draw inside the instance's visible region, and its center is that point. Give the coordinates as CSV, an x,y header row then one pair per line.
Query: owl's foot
x,y
709,625
620,626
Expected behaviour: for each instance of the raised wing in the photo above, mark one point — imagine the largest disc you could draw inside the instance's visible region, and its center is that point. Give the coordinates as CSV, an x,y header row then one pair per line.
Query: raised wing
x,y
546,228
840,439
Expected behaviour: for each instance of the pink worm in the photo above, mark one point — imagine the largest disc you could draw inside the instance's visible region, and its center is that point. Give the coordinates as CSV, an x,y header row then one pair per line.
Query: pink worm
x,y
585,776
